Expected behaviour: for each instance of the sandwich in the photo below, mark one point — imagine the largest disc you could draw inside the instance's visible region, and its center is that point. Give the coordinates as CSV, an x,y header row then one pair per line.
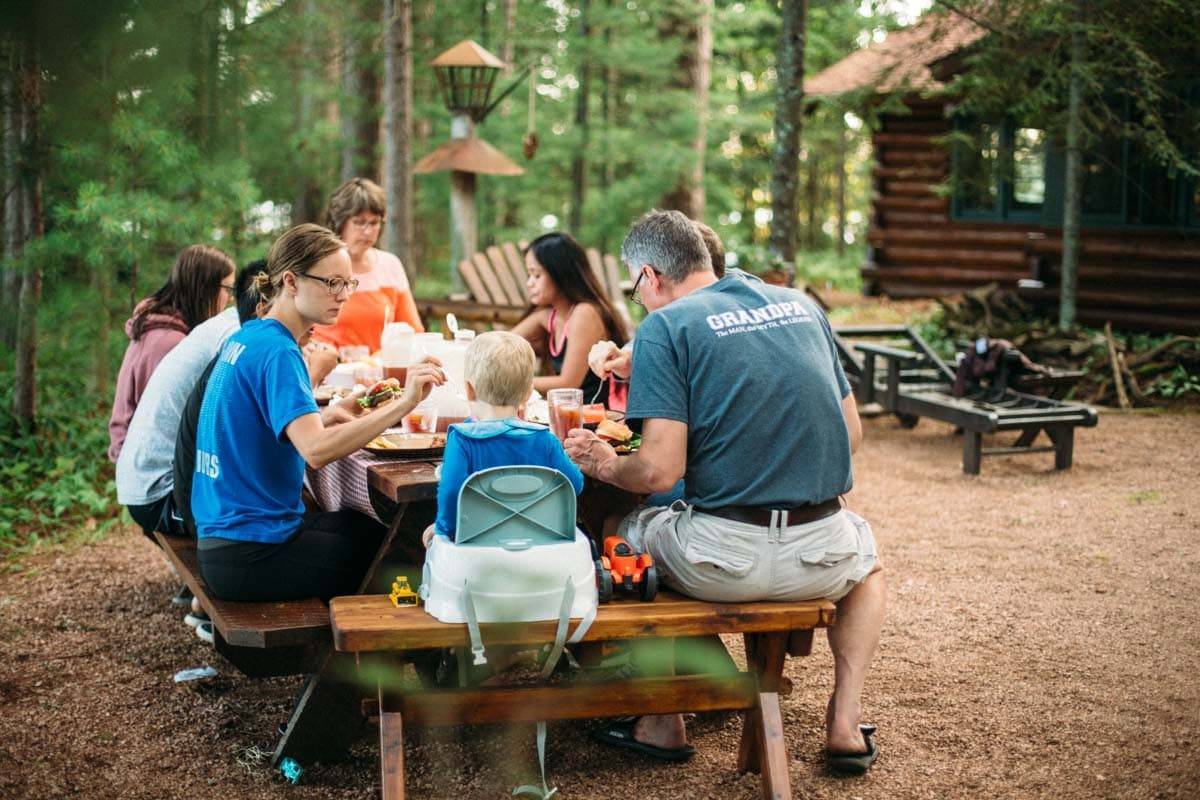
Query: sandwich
x,y
613,431
381,392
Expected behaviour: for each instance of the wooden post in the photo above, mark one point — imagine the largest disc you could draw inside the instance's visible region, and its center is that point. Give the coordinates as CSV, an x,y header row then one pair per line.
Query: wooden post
x,y
463,230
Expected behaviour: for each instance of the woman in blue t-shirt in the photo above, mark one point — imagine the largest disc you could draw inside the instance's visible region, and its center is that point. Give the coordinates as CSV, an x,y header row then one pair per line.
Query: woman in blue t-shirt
x,y
259,426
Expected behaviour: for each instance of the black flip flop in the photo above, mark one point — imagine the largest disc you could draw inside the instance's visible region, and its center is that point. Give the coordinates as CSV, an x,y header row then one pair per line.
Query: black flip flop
x,y
841,762
619,733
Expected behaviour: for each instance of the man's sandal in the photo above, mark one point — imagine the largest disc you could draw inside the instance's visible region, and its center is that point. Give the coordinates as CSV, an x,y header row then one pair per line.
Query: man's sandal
x,y
619,733
841,762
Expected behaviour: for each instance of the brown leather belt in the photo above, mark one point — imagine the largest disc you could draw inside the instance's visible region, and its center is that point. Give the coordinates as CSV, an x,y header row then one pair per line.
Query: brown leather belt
x,y
756,515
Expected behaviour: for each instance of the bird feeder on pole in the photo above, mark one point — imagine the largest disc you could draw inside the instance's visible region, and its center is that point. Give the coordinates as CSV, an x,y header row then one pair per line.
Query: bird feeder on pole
x,y
466,74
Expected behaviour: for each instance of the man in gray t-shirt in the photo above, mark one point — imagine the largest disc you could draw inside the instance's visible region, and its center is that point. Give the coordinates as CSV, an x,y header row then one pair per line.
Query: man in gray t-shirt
x,y
741,393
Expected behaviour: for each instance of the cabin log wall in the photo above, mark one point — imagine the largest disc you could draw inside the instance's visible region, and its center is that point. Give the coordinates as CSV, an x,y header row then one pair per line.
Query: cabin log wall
x,y
1137,279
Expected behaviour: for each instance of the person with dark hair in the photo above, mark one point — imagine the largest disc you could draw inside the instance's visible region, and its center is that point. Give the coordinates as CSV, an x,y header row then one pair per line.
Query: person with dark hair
x,y
356,213
144,465
259,426
199,286
570,313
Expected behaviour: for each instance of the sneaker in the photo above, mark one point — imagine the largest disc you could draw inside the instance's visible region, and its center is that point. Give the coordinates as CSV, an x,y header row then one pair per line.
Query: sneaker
x,y
196,619
183,597
205,632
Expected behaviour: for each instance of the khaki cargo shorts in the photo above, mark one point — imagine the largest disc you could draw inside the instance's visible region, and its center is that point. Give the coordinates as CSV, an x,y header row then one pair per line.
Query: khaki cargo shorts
x,y
721,560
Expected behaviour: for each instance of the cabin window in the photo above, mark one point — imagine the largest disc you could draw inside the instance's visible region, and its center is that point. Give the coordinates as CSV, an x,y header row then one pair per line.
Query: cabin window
x,y
999,171
1029,168
1007,172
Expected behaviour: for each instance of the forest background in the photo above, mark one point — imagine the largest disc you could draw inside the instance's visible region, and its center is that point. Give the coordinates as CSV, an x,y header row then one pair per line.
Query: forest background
x,y
223,121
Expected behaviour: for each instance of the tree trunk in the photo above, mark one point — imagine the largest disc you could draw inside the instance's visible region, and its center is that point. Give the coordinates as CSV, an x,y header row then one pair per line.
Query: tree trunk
x,y
695,68
14,225
307,204
1073,201
360,94
789,111
579,162
812,192
397,148
103,292
350,107
841,187
30,196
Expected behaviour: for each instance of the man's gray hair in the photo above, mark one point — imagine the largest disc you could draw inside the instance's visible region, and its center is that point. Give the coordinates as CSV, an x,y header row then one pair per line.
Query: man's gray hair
x,y
668,242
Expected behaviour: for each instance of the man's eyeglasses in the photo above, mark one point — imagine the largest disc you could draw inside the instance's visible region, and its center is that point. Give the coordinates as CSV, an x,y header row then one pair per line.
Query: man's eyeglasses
x,y
634,296
364,224
335,285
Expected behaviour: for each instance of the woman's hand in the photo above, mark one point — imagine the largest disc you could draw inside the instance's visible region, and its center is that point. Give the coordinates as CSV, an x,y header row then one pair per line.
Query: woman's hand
x,y
427,536
320,359
605,358
422,377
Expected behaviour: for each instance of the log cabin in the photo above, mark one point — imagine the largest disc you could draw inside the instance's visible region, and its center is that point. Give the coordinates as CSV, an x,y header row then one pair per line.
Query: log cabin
x,y
946,217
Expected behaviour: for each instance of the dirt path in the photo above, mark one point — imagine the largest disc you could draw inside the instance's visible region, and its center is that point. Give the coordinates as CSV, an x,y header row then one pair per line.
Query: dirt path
x,y
1043,640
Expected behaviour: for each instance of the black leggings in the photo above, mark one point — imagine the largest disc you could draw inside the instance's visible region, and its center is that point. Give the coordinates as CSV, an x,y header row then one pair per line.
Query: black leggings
x,y
160,515
327,557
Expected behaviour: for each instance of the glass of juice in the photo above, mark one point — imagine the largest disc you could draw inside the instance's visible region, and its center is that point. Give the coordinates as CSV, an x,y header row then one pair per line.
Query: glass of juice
x,y
593,415
566,410
421,420
395,370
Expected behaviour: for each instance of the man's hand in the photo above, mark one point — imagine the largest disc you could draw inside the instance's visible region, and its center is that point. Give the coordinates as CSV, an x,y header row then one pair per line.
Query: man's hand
x,y
589,451
422,377
427,536
606,358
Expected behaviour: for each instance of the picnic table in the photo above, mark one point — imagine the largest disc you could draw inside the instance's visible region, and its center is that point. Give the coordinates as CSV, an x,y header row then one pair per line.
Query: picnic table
x,y
303,637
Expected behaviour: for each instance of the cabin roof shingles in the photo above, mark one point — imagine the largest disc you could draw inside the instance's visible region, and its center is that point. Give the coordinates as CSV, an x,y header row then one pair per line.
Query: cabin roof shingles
x,y
901,61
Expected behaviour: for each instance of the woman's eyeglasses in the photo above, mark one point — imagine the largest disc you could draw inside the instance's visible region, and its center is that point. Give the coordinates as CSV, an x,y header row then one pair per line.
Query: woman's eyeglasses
x,y
364,224
335,285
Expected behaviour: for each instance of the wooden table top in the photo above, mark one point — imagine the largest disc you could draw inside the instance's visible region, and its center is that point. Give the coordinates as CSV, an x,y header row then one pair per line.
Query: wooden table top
x,y
366,623
404,481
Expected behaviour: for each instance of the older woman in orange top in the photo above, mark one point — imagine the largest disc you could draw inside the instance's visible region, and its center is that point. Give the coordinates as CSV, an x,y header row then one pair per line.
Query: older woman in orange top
x,y
356,214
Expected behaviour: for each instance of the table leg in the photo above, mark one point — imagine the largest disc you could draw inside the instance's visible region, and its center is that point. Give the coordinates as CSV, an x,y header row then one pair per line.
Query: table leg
x,y
327,717
762,747
391,751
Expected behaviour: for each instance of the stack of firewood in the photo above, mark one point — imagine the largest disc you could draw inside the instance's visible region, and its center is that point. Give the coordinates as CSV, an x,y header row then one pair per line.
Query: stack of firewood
x,y
1117,369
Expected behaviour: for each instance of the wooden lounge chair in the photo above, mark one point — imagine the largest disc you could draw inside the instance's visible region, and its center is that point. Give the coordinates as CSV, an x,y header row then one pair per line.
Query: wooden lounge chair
x,y
914,382
495,281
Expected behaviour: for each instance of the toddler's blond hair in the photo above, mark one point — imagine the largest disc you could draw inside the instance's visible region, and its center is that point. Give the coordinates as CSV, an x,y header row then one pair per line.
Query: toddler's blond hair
x,y
499,365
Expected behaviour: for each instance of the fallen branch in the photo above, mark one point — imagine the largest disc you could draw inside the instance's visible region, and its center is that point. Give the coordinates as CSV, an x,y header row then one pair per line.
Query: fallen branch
x,y
1118,383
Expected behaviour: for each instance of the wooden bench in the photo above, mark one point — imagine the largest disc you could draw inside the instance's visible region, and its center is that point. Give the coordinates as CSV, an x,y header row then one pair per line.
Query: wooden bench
x,y
369,624
495,280
260,639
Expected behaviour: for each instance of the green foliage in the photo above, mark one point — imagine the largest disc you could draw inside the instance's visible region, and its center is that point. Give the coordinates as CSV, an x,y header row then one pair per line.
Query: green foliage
x,y
1177,384
1138,72
56,480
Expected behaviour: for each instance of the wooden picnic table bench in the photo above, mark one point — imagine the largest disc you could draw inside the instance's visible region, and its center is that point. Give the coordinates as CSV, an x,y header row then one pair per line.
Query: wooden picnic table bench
x,y
368,625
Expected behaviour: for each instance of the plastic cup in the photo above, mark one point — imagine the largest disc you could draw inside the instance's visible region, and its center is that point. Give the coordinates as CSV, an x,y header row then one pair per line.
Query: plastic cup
x,y
566,410
592,415
421,420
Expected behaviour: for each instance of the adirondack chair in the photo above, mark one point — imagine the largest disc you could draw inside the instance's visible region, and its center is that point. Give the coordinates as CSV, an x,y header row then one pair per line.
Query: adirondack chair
x,y
495,280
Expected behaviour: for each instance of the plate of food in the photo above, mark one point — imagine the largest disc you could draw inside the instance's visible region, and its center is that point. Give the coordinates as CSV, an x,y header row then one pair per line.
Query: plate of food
x,y
324,395
407,445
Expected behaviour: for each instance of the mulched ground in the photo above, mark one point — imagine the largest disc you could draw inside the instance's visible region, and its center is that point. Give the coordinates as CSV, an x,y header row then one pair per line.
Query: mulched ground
x,y
1043,640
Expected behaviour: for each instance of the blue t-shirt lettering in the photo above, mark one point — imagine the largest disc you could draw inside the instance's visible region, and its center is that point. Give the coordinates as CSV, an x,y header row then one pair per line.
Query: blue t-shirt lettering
x,y
753,371
248,476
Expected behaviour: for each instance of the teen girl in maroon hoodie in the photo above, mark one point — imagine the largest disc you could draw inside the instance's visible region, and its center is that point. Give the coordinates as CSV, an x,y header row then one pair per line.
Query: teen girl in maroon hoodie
x,y
200,285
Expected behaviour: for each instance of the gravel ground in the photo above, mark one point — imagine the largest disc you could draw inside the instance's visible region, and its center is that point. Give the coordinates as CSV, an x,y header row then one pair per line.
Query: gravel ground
x,y
1042,640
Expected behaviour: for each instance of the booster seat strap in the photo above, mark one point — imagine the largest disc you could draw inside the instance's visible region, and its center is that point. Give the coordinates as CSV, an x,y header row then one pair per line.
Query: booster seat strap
x,y
473,625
